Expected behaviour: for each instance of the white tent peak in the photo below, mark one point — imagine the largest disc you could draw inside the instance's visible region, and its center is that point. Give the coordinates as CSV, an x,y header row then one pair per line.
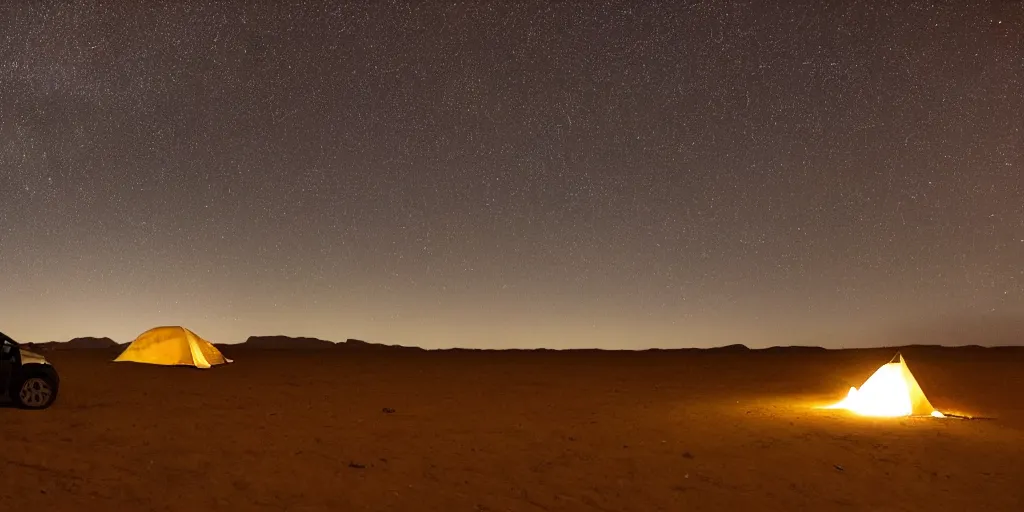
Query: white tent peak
x,y
172,345
892,391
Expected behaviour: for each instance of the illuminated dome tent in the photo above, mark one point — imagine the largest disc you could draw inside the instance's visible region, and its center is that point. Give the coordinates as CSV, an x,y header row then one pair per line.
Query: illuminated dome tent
x,y
172,346
892,391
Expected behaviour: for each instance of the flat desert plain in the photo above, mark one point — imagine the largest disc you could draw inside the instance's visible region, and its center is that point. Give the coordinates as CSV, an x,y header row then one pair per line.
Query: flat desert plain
x,y
515,431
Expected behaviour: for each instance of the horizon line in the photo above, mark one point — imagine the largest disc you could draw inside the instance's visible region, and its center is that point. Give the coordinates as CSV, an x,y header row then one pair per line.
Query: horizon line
x,y
735,346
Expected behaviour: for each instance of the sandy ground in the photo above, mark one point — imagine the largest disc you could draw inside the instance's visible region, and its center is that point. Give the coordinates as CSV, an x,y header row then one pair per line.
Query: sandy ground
x,y
281,430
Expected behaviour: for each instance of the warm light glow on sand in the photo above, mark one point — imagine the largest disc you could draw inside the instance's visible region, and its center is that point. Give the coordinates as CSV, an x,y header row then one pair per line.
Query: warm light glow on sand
x,y
890,392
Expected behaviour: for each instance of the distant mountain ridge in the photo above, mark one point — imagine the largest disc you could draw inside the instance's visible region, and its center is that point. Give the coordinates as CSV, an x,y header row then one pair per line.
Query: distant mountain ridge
x,y
281,342
252,342
87,342
986,332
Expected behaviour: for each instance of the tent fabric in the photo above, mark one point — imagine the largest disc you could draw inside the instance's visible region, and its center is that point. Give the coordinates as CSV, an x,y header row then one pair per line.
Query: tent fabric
x,y
919,404
891,391
172,346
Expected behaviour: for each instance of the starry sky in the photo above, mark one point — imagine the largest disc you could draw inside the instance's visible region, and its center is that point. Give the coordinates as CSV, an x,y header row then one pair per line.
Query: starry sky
x,y
495,174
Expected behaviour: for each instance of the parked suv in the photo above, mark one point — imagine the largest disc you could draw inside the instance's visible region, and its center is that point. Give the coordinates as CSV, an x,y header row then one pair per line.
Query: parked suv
x,y
26,378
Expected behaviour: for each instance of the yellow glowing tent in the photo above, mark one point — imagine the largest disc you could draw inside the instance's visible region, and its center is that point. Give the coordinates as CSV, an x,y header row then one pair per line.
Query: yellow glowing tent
x,y
892,391
172,346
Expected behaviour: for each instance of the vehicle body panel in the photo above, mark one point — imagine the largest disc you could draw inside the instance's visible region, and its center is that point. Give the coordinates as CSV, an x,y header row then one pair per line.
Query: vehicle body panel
x,y
16,364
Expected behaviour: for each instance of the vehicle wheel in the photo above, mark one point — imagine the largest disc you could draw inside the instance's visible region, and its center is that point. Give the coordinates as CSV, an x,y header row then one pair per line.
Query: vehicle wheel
x,y
35,392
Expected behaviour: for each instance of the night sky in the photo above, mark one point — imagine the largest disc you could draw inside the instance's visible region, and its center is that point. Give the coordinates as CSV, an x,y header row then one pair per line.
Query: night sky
x,y
614,175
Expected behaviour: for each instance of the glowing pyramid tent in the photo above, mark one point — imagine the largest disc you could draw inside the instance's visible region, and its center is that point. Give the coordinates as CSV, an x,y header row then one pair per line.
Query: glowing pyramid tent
x,y
172,346
892,391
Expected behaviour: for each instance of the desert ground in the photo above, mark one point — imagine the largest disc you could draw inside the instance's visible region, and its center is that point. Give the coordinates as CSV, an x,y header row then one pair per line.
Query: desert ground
x,y
307,430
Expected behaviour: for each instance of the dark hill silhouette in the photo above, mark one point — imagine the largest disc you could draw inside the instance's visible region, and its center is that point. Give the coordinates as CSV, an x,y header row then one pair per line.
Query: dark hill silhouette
x,y
738,347
793,349
285,343
354,344
281,342
88,342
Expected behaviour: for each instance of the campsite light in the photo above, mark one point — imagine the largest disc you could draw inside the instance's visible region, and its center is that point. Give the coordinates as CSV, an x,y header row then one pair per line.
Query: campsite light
x,y
892,391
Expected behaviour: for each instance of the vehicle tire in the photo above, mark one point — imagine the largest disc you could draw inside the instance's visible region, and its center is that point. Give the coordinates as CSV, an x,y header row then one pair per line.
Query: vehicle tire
x,y
35,391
